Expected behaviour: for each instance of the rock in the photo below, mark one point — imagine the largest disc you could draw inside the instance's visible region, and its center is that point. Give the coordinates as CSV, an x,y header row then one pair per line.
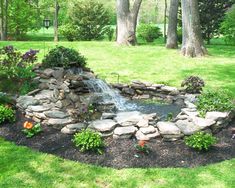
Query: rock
x,y
171,138
88,75
158,86
73,97
181,117
128,131
192,98
150,116
58,73
77,126
168,128
39,115
190,105
217,116
147,130
187,127
190,112
145,96
103,125
34,92
140,136
65,88
24,101
44,94
106,134
128,91
59,104
153,135
65,130
108,116
48,72
65,121
56,114
203,123
128,118
143,123
169,89
38,108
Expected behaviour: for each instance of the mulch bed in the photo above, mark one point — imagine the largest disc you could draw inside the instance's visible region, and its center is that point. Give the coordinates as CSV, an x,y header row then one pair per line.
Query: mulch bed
x,y
122,153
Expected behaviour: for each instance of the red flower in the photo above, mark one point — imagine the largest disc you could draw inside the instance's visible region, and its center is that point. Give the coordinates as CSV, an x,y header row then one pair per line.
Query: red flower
x,y
141,143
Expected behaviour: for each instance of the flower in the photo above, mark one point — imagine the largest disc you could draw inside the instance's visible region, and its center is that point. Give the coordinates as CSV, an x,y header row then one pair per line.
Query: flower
x,y
28,125
141,143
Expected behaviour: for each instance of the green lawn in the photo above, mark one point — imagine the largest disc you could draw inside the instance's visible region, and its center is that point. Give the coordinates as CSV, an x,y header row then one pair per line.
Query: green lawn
x,y
23,167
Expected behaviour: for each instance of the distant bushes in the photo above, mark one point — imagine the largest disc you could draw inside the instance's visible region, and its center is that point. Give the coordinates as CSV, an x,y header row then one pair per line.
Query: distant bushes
x,y
69,31
63,57
149,32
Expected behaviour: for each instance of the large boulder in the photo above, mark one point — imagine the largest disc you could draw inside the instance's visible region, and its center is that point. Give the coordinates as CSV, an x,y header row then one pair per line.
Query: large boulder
x,y
128,118
24,101
168,128
103,125
124,132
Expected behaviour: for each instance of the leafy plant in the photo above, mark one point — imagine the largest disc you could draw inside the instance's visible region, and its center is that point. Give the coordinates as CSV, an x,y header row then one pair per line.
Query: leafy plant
x,y
200,141
63,57
149,32
193,84
169,116
88,140
6,114
31,130
69,31
109,31
214,101
142,147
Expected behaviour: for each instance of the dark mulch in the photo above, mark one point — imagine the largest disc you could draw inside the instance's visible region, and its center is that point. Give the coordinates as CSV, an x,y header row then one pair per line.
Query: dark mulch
x,y
121,153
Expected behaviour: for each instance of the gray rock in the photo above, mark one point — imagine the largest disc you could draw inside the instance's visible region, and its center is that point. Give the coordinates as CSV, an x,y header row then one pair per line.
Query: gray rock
x,y
103,125
203,123
39,115
153,135
44,94
128,91
66,130
48,72
171,138
128,118
187,127
190,112
38,108
43,86
125,130
76,126
73,97
56,114
169,89
148,130
58,73
192,98
108,116
140,136
143,123
216,116
190,105
168,128
25,101
58,104
65,121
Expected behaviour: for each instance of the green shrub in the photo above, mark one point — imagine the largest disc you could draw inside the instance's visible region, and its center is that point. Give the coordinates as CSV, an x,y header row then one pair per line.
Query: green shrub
x,y
228,26
148,32
214,101
34,130
90,17
200,141
193,84
63,57
6,114
69,31
109,31
88,140
180,35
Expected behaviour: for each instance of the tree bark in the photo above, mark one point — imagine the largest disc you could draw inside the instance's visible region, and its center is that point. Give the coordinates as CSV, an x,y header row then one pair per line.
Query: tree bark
x,y
192,45
3,20
165,17
172,41
57,8
127,21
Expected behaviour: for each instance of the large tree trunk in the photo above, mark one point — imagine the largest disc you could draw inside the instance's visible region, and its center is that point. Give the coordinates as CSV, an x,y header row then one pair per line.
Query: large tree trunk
x,y
165,17
172,41
3,19
126,21
192,45
57,8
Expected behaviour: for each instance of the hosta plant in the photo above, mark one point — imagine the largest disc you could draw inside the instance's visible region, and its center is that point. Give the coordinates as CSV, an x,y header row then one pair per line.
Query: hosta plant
x,y
31,130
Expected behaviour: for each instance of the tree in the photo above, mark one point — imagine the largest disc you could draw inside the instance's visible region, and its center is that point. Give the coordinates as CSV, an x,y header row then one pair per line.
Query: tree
x,y
3,19
211,16
192,45
57,8
172,41
127,21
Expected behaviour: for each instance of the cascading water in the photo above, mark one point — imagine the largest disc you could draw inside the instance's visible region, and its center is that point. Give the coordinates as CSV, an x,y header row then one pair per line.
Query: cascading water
x,y
108,94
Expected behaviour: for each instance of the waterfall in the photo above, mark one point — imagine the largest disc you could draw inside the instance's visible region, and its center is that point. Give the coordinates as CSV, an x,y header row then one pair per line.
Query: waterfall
x,y
108,94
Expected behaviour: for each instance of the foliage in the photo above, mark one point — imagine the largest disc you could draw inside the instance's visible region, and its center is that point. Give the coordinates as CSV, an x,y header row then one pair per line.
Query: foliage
x,y
6,114
31,130
148,32
69,31
214,101
180,35
63,57
88,140
5,99
193,84
169,116
200,141
109,31
142,147
228,26
90,17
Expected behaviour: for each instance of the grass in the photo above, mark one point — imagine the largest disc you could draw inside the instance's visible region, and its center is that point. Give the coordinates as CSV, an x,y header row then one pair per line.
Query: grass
x,y
25,168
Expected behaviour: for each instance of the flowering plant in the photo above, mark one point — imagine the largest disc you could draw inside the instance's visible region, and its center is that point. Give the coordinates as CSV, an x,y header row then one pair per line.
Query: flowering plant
x,y
142,147
31,130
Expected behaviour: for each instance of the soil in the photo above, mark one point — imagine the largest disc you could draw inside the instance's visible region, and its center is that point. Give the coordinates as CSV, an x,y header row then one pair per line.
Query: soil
x,y
122,153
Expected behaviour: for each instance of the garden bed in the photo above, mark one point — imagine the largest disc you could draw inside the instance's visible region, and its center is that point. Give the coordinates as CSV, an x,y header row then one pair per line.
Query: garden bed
x,y
122,153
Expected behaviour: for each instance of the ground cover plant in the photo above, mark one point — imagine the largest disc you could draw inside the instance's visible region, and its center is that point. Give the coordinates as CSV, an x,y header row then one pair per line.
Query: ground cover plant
x,y
6,114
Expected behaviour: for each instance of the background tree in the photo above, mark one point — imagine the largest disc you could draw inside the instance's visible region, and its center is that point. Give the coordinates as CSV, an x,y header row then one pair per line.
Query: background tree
x,y
172,41
3,19
192,44
127,21
212,13
56,22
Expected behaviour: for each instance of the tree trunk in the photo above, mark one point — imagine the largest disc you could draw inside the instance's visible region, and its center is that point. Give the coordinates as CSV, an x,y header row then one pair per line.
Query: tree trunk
x,y
172,41
126,21
3,20
165,17
57,8
192,45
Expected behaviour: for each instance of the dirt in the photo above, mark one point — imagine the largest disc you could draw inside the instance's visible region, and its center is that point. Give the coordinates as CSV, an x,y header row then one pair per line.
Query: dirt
x,y
122,153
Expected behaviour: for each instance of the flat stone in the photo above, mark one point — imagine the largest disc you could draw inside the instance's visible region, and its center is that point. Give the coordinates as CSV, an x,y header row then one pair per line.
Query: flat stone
x,y
65,121
76,126
48,72
187,127
150,116
143,123
38,108
56,114
25,101
58,73
103,125
190,98
148,130
153,135
190,112
169,89
128,91
140,136
66,130
108,116
168,128
39,115
44,94
190,105
127,118
125,130
216,116
203,123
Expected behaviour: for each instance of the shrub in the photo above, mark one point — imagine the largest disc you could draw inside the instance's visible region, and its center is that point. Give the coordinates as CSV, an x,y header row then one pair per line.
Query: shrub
x,y
180,35
148,32
63,57
109,31
193,84
228,26
88,140
90,17
214,101
6,114
69,31
200,141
